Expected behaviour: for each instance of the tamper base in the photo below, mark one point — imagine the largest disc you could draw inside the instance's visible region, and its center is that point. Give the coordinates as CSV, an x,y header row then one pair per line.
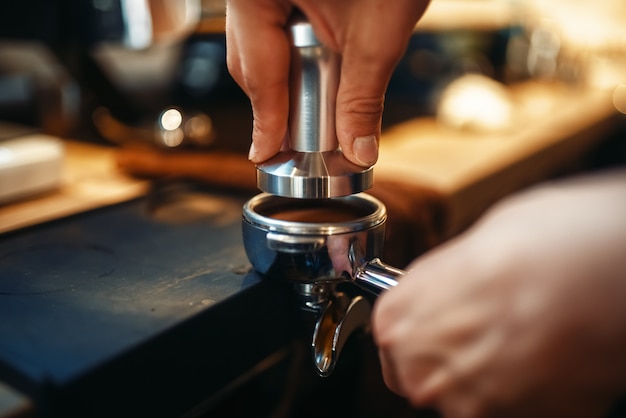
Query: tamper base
x,y
312,175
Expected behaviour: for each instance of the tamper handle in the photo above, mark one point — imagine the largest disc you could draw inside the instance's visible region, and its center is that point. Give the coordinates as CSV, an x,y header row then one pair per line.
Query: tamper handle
x,y
376,276
314,166
314,79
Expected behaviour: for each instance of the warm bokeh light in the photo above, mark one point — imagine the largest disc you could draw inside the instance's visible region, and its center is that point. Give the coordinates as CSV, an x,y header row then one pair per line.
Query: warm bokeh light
x,y
477,103
171,119
171,133
588,24
590,32
619,98
199,128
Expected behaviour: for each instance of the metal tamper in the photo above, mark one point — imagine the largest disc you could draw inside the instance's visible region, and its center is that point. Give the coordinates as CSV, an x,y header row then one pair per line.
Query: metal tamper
x,y
314,167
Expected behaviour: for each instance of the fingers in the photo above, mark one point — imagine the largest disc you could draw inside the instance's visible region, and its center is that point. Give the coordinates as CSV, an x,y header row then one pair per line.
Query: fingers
x,y
360,100
373,43
389,372
370,35
360,103
258,60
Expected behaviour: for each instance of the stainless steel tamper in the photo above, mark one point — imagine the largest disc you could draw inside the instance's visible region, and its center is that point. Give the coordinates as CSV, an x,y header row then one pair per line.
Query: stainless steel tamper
x,y
314,167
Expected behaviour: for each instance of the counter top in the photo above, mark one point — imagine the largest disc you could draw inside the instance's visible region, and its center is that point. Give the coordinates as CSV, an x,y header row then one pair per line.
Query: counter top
x,y
104,310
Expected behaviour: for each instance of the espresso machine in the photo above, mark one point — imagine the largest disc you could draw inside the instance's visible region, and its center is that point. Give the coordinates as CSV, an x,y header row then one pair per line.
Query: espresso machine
x,y
313,226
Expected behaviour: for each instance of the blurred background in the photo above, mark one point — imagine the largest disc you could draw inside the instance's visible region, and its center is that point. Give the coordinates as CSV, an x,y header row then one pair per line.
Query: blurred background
x,y
151,75
107,70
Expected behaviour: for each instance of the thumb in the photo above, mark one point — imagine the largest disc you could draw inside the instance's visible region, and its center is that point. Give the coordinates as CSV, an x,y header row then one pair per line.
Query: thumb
x,y
359,108
369,58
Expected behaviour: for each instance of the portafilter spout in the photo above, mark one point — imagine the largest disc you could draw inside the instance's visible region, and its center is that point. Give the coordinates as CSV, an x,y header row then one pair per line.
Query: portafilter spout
x,y
314,166
340,314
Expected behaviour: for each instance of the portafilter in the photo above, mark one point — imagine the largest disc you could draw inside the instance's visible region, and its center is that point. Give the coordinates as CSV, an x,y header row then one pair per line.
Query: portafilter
x,y
317,244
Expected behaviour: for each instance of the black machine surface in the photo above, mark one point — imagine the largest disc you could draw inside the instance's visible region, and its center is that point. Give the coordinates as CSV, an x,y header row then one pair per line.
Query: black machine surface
x,y
130,311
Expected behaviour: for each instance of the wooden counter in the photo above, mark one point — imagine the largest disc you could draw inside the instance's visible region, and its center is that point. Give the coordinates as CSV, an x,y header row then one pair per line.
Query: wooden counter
x,y
90,180
554,127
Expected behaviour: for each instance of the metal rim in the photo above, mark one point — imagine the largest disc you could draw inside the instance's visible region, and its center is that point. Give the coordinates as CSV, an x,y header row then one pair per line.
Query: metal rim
x,y
373,213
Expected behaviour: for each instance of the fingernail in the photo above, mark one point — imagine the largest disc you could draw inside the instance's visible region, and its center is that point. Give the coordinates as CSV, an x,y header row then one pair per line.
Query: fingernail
x,y
252,152
366,149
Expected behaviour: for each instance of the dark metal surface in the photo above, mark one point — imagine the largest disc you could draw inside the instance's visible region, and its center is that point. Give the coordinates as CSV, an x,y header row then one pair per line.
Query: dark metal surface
x,y
140,309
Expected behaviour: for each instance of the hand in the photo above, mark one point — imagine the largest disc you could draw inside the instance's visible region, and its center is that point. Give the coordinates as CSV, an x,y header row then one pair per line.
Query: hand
x,y
370,35
523,315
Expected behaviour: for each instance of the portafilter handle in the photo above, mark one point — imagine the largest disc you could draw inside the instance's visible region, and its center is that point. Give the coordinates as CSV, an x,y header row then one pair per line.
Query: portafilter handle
x,y
341,315
376,276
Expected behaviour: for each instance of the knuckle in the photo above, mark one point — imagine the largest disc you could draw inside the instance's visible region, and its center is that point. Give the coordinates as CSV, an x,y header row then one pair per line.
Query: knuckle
x,y
362,106
361,115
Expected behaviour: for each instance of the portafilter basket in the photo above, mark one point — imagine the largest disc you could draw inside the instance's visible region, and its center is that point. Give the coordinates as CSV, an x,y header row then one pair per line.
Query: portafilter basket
x,y
317,244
